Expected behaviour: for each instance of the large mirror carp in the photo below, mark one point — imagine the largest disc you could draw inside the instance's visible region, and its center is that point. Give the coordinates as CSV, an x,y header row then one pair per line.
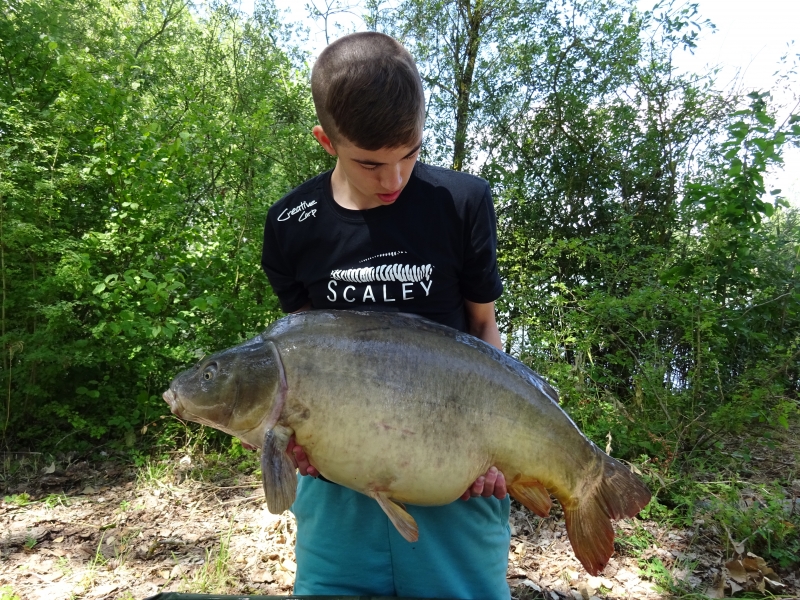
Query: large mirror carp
x,y
405,410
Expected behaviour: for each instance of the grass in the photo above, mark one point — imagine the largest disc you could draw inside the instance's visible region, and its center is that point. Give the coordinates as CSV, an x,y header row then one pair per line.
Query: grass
x,y
758,516
7,593
22,465
97,561
123,549
53,500
49,501
214,577
64,566
153,472
652,568
223,467
22,499
198,464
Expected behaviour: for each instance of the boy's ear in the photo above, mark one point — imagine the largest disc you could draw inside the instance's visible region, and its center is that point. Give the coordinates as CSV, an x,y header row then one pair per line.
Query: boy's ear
x,y
323,139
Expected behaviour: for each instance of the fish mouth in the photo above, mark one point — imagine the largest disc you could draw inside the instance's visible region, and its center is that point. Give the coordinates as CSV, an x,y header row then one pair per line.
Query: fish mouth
x,y
171,398
180,411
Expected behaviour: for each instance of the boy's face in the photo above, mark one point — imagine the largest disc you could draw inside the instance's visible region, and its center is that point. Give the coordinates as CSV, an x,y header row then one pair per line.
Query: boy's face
x,y
366,179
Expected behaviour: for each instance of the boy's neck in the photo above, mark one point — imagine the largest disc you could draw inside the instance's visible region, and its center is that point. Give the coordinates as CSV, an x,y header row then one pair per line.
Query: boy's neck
x,y
347,195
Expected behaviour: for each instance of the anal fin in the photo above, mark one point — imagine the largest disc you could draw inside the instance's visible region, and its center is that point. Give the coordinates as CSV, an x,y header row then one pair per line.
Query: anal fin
x,y
532,495
278,471
398,515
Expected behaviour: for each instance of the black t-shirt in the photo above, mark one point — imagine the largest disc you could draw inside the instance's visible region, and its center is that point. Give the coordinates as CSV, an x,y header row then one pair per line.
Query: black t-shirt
x,y
428,251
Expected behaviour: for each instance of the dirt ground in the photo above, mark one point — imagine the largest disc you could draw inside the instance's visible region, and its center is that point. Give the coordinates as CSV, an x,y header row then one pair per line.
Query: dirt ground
x,y
102,530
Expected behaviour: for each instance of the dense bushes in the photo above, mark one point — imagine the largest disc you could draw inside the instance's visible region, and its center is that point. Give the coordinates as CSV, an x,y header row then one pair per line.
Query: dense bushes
x,y
141,148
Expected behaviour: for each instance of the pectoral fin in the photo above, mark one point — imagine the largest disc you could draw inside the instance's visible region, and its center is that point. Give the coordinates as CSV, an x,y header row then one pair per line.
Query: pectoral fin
x,y
404,522
278,470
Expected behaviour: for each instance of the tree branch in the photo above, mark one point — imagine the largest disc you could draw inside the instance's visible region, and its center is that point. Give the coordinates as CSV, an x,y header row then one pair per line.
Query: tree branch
x,y
168,18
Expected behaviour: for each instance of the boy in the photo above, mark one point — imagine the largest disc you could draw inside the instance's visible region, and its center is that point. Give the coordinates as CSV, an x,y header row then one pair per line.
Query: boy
x,y
383,232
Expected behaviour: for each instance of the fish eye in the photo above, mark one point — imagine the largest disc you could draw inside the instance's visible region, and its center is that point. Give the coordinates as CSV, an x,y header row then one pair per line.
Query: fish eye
x,y
210,371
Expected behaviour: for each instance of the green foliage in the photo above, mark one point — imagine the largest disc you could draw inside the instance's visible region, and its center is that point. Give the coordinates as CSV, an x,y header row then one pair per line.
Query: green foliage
x,y
141,147
762,519
7,593
53,500
656,571
636,541
22,499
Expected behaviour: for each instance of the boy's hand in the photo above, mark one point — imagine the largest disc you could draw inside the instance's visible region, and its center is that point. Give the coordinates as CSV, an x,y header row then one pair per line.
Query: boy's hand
x,y
491,484
300,459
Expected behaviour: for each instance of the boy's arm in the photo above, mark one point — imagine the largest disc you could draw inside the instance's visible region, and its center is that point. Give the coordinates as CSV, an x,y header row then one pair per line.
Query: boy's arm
x,y
482,324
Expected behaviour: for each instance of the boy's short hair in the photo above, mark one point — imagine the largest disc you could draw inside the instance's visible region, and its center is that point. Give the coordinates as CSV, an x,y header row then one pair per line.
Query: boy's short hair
x,y
368,91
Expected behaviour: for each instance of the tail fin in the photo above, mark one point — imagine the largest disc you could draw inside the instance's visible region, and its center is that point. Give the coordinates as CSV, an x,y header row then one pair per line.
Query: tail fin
x,y
617,494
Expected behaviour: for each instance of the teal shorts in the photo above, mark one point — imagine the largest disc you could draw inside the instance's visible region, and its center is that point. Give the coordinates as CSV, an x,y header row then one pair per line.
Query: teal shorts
x,y
346,545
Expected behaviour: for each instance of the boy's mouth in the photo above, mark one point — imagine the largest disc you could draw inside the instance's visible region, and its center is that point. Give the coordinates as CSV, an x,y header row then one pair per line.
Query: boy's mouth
x,y
389,197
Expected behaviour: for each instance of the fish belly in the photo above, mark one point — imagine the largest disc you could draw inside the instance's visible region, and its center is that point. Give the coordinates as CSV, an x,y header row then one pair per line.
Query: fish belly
x,y
380,454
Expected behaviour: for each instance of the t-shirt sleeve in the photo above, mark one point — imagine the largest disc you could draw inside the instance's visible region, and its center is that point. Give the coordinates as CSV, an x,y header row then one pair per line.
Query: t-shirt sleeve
x,y
481,281
291,293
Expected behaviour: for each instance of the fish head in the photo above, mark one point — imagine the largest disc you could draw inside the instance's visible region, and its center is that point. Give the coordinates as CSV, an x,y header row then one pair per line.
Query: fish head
x,y
233,390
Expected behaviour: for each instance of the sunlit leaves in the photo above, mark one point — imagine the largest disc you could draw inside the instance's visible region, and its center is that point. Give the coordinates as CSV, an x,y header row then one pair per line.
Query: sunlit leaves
x,y
142,144
609,173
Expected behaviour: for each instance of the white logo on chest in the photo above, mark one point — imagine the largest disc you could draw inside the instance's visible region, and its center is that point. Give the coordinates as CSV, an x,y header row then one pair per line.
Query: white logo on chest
x,y
303,211
408,276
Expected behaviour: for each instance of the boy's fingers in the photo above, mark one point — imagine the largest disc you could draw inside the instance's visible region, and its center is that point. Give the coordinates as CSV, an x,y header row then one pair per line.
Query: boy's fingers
x,y
476,489
301,460
489,482
500,488
290,451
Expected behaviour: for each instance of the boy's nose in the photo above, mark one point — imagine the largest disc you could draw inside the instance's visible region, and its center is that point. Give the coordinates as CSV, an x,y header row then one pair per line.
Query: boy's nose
x,y
391,178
